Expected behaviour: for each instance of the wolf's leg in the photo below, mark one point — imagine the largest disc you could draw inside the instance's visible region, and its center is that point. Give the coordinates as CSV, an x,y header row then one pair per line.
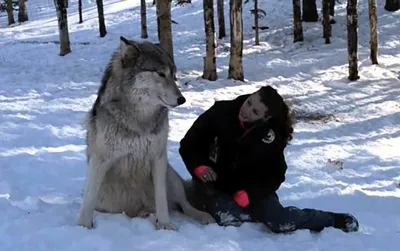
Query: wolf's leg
x,y
177,193
159,173
95,176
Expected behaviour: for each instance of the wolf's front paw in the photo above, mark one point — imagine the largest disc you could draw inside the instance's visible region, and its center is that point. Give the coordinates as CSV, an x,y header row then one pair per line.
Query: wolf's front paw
x,y
165,226
85,221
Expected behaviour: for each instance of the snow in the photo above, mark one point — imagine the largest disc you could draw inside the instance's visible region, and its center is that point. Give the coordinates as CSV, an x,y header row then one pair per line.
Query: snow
x,y
42,107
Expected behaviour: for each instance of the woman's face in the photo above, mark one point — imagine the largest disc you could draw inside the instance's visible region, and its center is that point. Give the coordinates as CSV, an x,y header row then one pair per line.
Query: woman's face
x,y
252,109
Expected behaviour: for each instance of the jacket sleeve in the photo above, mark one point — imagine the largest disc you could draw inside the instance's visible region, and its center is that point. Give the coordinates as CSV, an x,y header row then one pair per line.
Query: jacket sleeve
x,y
267,183
194,146
263,179
265,174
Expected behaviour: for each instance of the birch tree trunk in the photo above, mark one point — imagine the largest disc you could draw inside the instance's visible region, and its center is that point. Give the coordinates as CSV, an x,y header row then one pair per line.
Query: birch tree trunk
x,y
61,7
236,52
297,25
22,13
10,12
102,24
221,19
164,25
326,21
143,19
210,71
352,36
257,35
373,31
80,11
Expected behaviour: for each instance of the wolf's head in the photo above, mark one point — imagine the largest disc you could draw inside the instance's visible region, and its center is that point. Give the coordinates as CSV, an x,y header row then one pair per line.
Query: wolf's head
x,y
147,74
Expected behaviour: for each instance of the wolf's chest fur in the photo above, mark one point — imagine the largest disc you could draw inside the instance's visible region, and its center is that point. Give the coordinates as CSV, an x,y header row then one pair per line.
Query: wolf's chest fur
x,y
144,146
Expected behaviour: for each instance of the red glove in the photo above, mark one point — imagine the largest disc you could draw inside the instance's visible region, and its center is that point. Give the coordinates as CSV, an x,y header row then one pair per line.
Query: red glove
x,y
241,198
205,173
199,170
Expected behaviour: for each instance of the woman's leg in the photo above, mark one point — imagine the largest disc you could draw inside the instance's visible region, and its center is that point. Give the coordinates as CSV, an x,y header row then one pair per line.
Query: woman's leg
x,y
220,206
281,219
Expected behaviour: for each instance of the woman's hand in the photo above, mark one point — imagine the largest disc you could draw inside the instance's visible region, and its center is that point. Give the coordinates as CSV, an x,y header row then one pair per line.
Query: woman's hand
x,y
205,174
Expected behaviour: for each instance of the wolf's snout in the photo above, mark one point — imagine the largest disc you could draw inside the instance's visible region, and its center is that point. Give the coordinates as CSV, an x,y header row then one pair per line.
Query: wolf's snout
x,y
181,100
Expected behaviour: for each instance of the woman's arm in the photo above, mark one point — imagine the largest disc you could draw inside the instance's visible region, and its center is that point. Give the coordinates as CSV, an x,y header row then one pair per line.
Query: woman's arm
x,y
264,173
194,147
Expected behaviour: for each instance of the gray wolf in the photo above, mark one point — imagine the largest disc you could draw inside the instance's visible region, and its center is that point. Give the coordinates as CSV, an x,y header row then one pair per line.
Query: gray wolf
x,y
127,132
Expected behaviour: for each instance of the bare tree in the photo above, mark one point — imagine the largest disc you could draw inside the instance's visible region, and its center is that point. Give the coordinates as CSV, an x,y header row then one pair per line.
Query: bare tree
x,y
352,36
210,71
235,70
392,5
164,25
10,12
326,21
22,13
373,31
257,35
310,13
221,19
297,25
143,19
80,11
61,7
102,24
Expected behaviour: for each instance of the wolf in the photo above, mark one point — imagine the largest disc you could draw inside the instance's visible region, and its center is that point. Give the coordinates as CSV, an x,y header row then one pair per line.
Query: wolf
x,y
127,133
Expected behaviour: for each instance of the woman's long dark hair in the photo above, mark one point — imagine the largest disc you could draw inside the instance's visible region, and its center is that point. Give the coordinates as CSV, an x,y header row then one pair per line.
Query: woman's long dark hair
x,y
287,123
278,110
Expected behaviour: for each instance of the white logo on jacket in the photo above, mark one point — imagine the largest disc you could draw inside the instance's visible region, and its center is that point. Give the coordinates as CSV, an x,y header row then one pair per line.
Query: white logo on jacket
x,y
269,137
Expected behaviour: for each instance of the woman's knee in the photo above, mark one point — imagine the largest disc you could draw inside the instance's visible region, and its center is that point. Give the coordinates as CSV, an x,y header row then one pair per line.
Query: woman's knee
x,y
275,216
277,226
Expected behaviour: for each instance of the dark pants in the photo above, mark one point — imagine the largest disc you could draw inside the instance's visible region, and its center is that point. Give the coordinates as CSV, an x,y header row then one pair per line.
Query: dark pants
x,y
269,210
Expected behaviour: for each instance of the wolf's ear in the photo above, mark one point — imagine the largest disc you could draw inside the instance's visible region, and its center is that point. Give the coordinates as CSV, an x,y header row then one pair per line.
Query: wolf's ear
x,y
129,51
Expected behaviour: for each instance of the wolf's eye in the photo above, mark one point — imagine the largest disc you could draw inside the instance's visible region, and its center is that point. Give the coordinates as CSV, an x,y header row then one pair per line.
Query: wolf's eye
x,y
161,74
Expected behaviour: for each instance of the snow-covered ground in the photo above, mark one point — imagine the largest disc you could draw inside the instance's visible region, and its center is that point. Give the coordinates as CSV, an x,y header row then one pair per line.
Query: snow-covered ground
x,y
44,97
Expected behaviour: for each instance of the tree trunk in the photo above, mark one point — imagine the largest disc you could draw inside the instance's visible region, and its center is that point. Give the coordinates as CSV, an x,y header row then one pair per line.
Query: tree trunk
x,y
373,31
297,25
164,25
102,24
143,19
10,12
257,38
61,7
310,13
158,21
22,13
221,19
326,21
80,11
236,28
392,5
210,71
352,37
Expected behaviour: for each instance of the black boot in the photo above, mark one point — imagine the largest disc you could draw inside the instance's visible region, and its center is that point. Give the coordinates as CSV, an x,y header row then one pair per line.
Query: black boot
x,y
345,222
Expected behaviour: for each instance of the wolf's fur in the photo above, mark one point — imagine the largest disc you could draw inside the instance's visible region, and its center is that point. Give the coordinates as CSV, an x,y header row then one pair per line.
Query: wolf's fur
x,y
127,133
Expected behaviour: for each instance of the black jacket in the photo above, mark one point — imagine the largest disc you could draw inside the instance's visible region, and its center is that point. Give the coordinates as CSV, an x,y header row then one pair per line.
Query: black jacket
x,y
251,159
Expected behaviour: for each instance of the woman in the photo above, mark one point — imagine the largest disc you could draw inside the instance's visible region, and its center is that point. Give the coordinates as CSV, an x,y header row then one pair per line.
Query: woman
x,y
235,154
